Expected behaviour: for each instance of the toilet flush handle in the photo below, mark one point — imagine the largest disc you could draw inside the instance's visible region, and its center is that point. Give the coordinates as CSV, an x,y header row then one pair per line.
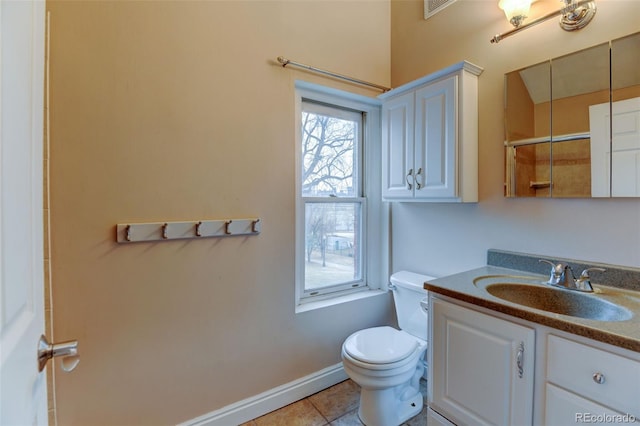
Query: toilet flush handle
x,y
391,286
424,303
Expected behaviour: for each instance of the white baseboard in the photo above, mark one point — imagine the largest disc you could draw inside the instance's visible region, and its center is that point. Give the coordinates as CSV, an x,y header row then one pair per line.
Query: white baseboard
x,y
258,405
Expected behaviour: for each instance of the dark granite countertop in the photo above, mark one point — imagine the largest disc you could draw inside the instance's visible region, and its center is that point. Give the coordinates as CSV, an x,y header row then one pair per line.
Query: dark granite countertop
x,y
625,334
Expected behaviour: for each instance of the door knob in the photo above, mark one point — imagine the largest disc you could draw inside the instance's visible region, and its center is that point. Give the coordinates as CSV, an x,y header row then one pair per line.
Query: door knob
x,y
67,350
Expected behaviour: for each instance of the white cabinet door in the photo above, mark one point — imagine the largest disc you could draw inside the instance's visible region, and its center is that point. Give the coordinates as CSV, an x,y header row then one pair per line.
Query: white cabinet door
x,y
481,367
435,140
397,142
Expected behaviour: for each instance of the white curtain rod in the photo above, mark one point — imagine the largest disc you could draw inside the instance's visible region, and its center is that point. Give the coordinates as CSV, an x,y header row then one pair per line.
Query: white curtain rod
x,y
286,62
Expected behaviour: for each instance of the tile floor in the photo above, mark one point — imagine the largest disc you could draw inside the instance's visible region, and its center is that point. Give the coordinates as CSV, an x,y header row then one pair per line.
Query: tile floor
x,y
334,406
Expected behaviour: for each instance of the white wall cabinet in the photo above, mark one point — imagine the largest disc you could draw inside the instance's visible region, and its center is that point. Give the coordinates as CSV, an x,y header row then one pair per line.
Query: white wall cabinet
x,y
482,367
475,363
430,137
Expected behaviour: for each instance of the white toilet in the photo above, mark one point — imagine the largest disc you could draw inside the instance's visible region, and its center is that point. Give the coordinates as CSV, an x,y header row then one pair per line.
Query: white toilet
x,y
388,363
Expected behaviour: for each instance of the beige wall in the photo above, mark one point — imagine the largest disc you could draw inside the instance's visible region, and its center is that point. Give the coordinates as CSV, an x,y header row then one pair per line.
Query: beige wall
x,y
443,239
175,110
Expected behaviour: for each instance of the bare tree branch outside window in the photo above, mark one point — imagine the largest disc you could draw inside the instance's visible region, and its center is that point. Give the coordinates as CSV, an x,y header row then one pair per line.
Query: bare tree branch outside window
x,y
328,155
329,161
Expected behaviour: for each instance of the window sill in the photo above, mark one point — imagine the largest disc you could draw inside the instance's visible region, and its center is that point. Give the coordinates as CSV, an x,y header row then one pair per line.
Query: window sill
x,y
311,306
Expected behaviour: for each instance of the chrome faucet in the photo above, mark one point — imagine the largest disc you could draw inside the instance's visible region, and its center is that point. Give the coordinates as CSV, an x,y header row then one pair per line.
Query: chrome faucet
x,y
562,276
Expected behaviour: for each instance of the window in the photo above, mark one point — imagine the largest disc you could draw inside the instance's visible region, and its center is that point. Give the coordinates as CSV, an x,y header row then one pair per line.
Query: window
x,y
335,202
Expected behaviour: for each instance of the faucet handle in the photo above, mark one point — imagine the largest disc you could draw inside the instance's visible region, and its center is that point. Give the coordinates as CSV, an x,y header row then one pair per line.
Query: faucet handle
x,y
584,282
556,270
553,265
585,273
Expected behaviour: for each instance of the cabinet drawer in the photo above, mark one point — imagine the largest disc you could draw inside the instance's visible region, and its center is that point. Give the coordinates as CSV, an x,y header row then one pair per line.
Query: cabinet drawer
x,y
566,408
573,366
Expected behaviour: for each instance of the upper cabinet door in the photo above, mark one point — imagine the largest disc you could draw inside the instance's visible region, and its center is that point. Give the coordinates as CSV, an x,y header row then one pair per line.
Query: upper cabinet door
x,y
435,137
397,142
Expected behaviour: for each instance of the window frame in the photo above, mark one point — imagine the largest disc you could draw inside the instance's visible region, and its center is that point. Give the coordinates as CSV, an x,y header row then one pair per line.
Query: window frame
x,y
375,213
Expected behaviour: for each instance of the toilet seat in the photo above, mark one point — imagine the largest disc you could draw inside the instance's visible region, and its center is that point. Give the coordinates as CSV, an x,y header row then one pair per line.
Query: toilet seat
x,y
380,345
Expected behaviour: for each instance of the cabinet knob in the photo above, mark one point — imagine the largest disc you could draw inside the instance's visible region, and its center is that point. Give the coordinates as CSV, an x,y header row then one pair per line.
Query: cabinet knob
x,y
598,378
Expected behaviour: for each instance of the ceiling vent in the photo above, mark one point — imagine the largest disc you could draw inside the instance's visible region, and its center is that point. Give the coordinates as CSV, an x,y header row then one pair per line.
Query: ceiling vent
x,y
431,7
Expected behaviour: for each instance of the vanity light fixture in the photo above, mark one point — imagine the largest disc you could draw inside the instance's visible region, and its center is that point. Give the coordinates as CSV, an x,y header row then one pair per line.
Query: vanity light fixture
x,y
574,15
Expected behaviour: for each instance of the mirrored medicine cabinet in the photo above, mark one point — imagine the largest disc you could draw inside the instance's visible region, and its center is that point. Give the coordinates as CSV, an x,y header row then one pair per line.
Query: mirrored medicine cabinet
x,y
572,124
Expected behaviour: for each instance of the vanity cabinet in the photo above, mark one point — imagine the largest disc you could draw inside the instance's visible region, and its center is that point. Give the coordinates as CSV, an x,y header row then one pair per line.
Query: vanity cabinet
x,y
488,368
482,367
430,137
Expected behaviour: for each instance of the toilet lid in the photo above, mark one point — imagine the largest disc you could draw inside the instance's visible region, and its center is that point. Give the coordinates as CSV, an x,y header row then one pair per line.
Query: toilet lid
x,y
380,345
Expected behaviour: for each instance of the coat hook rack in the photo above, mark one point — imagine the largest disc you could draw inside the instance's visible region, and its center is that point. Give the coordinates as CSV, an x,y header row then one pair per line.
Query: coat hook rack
x,y
164,231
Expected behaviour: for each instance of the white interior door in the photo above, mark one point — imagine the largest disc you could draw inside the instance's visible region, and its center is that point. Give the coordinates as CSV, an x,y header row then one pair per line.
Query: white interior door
x,y
22,388
615,160
625,141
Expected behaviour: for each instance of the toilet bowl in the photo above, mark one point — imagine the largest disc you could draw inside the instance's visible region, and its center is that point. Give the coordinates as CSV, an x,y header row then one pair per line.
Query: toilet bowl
x,y
388,363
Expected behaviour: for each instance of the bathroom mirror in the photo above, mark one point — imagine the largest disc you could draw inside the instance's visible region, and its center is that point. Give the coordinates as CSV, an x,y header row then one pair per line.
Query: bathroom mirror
x,y
560,138
526,121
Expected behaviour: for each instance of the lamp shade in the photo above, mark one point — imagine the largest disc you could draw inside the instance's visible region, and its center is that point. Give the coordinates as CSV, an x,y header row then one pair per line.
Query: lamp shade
x,y
515,10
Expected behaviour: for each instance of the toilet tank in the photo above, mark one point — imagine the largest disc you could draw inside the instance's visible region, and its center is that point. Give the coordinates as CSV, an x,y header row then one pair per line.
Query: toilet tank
x,y
408,291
